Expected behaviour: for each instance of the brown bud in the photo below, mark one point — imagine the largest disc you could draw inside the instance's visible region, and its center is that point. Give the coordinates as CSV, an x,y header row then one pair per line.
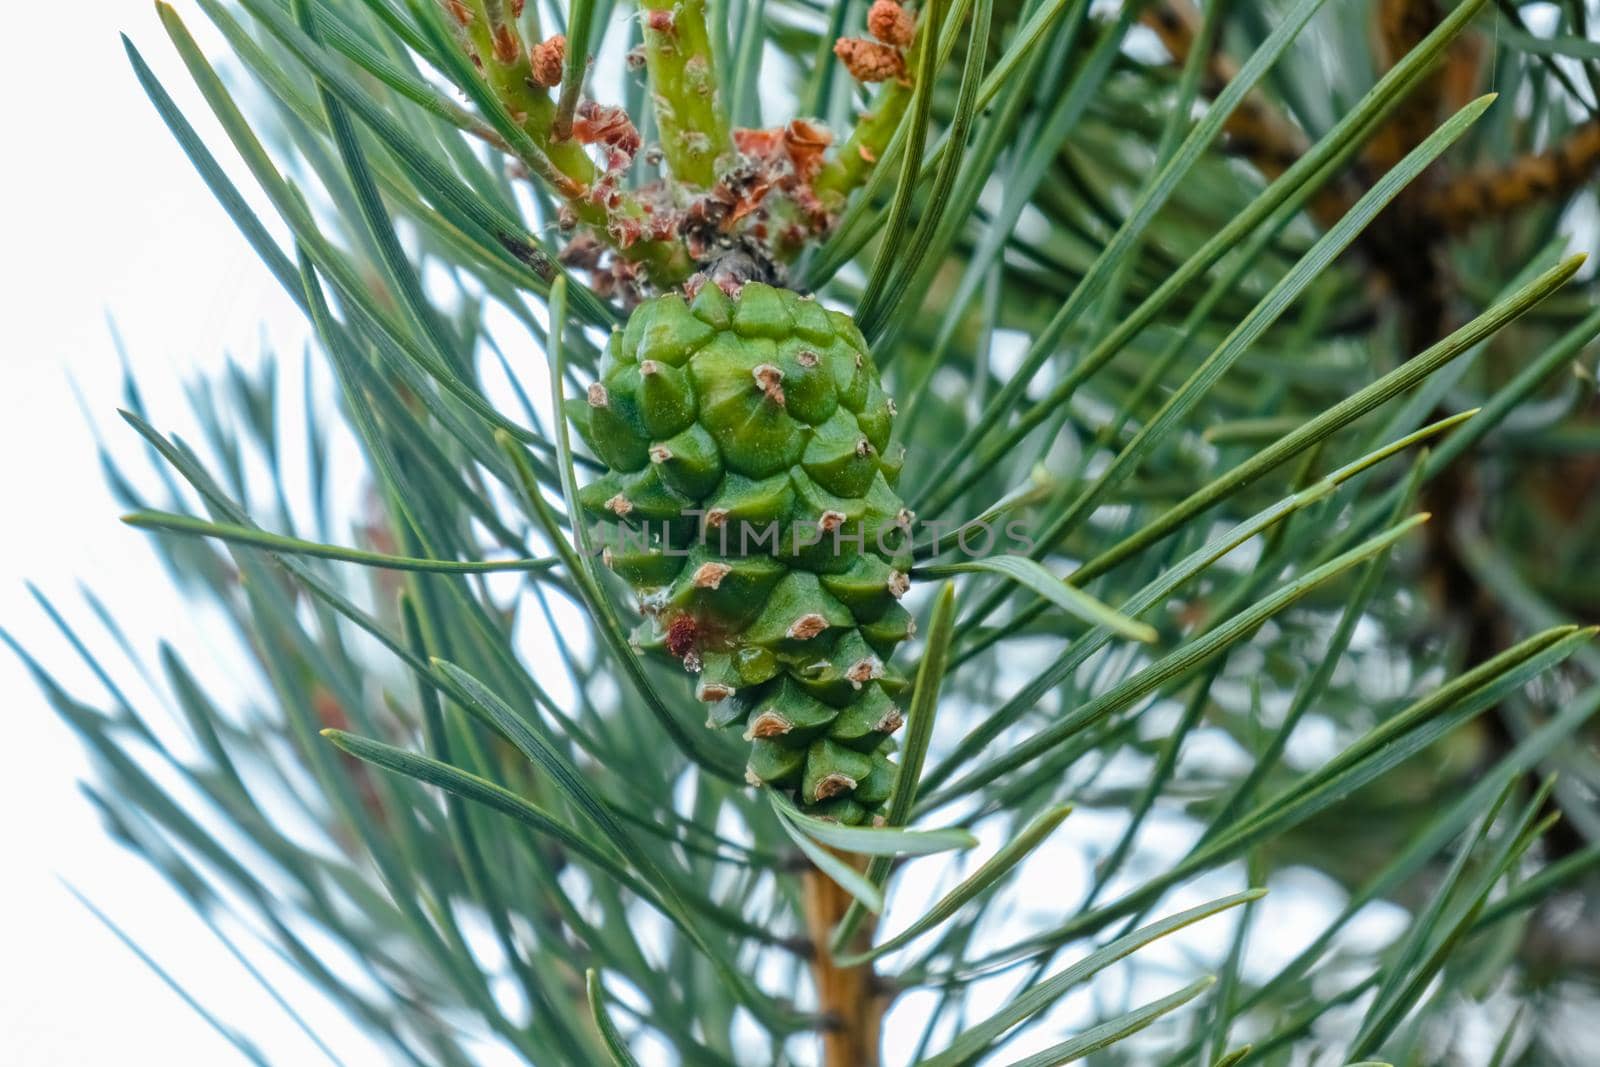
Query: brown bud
x,y
899,584
713,692
832,785
682,633
891,23
869,61
768,724
806,142
863,671
761,143
710,575
505,44
547,59
769,380
807,626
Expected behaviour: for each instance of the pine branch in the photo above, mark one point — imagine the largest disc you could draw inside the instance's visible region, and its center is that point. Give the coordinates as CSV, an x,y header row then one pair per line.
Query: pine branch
x,y
1497,190
1100,339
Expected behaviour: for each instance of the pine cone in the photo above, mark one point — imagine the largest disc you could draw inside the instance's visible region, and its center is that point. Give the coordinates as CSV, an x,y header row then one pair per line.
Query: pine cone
x,y
750,503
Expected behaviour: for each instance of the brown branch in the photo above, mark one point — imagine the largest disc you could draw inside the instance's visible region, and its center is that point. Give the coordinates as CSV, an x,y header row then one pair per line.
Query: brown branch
x,y
849,999
1493,192
1463,77
1400,26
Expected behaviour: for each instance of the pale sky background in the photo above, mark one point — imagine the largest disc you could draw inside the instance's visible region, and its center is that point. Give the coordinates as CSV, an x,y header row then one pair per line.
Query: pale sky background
x,y
107,218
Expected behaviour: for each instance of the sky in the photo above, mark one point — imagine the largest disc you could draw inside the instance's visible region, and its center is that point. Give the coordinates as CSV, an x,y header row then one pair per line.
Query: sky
x,y
107,220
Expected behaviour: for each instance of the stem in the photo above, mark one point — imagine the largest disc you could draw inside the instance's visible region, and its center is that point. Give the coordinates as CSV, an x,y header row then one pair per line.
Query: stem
x,y
858,155
849,999
683,78
492,36
866,144
504,57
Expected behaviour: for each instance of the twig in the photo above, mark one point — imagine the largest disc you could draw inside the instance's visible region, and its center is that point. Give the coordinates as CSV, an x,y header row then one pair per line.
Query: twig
x,y
849,999
1493,192
1401,26
683,79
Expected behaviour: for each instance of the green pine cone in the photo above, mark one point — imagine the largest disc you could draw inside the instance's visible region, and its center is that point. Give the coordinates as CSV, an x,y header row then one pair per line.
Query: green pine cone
x,y
750,504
